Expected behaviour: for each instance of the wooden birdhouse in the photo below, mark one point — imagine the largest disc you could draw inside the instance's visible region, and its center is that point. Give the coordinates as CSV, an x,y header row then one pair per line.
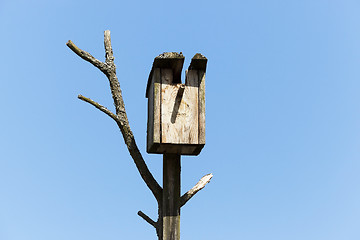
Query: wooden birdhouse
x,y
176,111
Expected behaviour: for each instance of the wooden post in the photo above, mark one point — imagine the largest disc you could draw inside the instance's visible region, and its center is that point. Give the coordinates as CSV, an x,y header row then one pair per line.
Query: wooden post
x,y
176,126
171,196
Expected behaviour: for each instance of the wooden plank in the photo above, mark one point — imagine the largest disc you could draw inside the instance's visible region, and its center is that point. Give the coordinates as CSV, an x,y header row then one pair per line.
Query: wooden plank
x,y
172,60
171,197
201,106
179,109
157,105
168,94
191,107
198,62
153,134
183,149
150,122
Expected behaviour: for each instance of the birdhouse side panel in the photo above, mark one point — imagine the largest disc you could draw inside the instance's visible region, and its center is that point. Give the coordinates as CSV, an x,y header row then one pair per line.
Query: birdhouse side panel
x,y
179,110
201,74
153,128
191,105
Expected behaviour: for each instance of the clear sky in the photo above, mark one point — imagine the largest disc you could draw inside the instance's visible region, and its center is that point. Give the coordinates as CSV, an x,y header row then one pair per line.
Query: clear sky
x,y
282,120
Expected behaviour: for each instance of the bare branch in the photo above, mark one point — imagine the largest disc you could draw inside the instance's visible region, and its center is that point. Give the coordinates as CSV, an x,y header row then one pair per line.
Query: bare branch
x,y
124,122
109,69
87,56
100,107
200,185
147,218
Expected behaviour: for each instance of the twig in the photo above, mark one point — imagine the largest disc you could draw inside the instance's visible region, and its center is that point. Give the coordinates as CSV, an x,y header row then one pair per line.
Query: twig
x,y
147,218
99,106
86,56
200,185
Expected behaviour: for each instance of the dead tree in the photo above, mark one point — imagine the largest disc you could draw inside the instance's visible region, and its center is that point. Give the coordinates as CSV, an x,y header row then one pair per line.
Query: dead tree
x,y
120,117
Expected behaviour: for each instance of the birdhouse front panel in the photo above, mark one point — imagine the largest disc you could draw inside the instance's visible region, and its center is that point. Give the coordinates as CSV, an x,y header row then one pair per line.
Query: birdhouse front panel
x,y
179,110
176,111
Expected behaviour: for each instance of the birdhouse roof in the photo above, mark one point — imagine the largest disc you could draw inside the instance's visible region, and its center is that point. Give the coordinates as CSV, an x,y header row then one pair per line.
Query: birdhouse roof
x,y
175,61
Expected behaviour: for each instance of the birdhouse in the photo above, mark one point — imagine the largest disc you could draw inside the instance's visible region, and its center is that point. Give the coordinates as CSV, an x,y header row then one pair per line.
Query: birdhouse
x,y
176,111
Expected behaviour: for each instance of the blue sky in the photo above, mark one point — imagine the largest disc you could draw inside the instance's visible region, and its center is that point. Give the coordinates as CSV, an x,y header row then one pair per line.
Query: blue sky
x,y
283,119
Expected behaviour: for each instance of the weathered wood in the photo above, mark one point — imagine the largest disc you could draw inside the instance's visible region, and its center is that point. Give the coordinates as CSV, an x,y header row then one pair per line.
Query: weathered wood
x,y
191,105
179,111
183,149
201,106
181,108
198,62
172,60
153,136
171,197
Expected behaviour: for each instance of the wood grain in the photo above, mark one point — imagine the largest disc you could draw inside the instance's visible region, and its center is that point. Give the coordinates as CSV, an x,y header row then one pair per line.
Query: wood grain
x,y
171,197
201,74
153,135
183,129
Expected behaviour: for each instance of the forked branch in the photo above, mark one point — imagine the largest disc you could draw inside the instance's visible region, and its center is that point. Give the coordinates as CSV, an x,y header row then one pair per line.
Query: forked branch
x,y
109,69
